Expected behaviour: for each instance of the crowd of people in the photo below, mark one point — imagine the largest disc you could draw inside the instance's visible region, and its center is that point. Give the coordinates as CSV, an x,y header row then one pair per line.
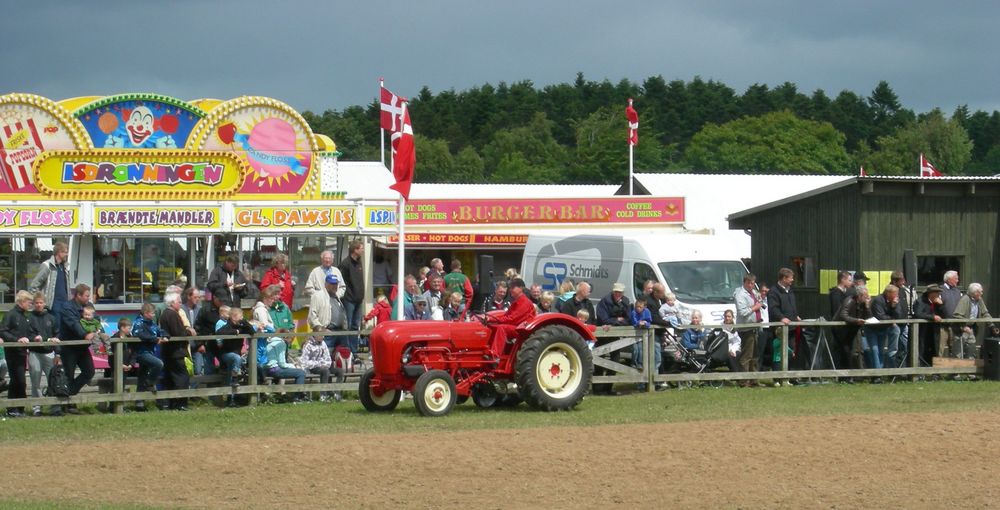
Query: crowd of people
x,y
55,310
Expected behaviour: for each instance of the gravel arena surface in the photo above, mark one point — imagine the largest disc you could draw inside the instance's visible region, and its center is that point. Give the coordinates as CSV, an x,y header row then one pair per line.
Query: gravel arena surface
x,y
932,460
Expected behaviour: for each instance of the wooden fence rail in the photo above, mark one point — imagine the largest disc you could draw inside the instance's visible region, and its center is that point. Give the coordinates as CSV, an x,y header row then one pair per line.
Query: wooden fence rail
x,y
611,341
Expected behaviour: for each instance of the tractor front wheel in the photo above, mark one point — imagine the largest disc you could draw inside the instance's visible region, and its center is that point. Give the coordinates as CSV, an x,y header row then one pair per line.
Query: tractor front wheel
x,y
434,393
554,369
373,402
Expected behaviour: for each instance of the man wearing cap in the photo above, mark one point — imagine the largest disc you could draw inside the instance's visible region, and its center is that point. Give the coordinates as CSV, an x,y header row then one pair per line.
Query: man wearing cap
x,y
419,311
327,311
929,307
614,308
860,279
521,310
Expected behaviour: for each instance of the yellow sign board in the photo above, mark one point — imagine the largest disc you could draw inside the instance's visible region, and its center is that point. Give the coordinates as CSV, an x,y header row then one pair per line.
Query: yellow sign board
x,y
294,218
41,218
133,175
156,218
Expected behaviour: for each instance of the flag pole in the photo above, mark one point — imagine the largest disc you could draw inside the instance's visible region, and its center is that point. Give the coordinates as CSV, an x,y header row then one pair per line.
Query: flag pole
x,y
399,265
631,151
631,148
381,130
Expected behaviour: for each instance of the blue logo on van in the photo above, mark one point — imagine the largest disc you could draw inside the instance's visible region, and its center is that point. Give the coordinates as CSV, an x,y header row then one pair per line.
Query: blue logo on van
x,y
553,274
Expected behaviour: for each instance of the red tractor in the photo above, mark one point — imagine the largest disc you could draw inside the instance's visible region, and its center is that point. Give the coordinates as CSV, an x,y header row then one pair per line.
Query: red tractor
x,y
547,364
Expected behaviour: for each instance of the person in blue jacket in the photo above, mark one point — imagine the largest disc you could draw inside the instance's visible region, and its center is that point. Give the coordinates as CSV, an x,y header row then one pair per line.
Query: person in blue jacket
x,y
150,335
694,338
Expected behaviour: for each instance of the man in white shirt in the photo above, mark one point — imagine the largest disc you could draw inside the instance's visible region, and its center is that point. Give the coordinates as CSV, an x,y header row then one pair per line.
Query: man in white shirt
x,y
317,277
749,310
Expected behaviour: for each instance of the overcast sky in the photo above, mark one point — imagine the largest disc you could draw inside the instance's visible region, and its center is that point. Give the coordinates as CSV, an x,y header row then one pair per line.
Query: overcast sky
x,y
323,54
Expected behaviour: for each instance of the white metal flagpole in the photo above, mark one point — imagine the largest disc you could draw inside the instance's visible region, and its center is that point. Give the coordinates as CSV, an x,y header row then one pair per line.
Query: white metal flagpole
x,y
381,130
631,148
401,215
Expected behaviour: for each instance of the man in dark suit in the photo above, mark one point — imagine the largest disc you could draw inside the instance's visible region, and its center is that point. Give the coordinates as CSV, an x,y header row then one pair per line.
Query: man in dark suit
x,y
781,306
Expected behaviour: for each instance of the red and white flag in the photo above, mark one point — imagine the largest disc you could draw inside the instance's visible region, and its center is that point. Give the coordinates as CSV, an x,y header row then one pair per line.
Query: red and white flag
x,y
392,109
633,124
927,169
404,155
19,146
862,173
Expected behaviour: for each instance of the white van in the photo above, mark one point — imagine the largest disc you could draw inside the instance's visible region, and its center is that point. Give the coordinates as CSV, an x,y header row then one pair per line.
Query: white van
x,y
701,270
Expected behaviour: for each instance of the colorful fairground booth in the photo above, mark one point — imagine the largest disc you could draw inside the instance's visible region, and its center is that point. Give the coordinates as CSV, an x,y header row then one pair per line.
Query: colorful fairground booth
x,y
148,190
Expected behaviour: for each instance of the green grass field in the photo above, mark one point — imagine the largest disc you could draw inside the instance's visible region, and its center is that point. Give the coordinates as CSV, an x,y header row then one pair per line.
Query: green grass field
x,y
668,406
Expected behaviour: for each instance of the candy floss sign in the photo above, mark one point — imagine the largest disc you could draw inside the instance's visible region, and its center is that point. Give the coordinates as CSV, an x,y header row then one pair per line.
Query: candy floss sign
x,y
39,219
517,211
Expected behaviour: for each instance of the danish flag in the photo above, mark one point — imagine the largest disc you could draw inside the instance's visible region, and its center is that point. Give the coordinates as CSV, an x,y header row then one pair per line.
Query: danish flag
x,y
19,146
862,172
404,155
927,169
392,109
633,124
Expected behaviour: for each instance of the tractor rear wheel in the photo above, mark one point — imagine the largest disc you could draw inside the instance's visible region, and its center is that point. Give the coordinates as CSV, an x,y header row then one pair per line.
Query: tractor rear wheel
x,y
434,393
387,401
554,369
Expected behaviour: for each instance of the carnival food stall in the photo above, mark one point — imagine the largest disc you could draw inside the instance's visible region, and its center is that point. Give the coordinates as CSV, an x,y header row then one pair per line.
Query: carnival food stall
x,y
149,190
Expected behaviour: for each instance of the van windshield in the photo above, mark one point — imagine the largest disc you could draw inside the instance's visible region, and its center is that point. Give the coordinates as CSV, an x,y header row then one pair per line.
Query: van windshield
x,y
704,281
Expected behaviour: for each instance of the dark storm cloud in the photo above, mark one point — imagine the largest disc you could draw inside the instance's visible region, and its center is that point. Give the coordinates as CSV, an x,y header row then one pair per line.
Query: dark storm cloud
x,y
317,55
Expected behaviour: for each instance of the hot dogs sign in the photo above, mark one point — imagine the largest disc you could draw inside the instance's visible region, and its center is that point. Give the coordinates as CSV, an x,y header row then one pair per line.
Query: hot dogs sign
x,y
140,146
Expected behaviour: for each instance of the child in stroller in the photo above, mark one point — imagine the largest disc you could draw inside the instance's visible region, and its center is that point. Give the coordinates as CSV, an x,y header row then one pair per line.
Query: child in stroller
x,y
697,350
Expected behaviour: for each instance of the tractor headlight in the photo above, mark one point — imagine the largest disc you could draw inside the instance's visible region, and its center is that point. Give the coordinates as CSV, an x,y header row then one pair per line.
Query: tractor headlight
x,y
406,356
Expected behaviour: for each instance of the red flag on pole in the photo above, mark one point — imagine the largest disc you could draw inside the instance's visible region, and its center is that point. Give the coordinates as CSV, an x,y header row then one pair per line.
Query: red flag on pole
x,y
392,109
927,169
862,172
633,124
404,155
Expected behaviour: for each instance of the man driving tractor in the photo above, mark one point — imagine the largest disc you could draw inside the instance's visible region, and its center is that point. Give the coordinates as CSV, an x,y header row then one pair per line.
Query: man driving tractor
x,y
521,310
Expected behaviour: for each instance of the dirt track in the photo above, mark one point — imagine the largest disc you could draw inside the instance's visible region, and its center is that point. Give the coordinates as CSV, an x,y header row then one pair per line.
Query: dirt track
x,y
896,460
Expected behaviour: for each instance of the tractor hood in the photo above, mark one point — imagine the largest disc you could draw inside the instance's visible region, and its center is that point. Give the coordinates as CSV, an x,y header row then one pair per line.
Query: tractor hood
x,y
390,339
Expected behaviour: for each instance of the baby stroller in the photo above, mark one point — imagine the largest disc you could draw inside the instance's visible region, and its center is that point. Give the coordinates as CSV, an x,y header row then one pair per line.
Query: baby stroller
x,y
711,353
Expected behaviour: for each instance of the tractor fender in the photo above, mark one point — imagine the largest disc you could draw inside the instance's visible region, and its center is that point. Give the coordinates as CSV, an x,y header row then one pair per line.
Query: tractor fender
x,y
549,319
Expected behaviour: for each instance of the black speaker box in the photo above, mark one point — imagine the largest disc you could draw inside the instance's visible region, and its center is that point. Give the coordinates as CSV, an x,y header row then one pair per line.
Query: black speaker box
x,y
485,274
910,267
991,358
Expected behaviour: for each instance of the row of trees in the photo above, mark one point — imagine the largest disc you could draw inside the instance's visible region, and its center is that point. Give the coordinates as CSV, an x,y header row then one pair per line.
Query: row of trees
x,y
575,132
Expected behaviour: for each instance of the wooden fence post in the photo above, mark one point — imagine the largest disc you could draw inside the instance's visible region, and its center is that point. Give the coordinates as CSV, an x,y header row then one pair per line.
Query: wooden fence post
x,y
252,362
649,365
119,376
784,347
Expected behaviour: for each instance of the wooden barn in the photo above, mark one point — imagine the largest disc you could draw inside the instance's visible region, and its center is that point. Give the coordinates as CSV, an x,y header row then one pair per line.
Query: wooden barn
x,y
866,223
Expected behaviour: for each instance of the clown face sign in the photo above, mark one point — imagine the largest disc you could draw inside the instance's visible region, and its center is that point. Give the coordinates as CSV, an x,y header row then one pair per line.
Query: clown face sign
x,y
139,126
139,123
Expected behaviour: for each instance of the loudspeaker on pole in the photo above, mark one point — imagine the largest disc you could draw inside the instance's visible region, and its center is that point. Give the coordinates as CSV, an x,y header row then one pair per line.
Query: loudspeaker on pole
x,y
910,266
485,274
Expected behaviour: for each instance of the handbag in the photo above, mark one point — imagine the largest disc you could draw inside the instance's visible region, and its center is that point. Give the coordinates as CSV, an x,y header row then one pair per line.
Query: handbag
x,y
58,382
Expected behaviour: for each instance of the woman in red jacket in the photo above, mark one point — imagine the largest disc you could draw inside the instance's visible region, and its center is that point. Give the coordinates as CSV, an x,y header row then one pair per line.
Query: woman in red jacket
x,y
280,276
